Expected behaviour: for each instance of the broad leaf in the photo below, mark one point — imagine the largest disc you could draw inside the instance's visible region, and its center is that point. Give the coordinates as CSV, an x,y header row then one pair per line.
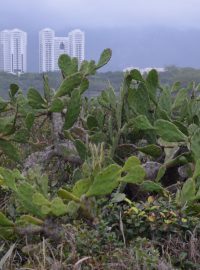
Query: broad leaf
x,y
4,221
27,219
160,173
58,208
69,84
7,124
56,105
104,58
169,132
136,75
151,186
66,195
138,100
24,195
47,89
14,88
40,200
180,97
72,208
165,101
92,122
9,150
35,99
197,170
195,144
118,197
181,127
152,150
134,176
152,84
29,121
142,123
65,64
81,149
84,85
105,182
81,187
188,191
73,109
8,178
130,163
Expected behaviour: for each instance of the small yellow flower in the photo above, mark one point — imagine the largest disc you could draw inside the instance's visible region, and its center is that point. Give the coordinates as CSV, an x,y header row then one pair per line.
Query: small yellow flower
x,y
142,214
184,220
167,221
150,199
152,217
134,209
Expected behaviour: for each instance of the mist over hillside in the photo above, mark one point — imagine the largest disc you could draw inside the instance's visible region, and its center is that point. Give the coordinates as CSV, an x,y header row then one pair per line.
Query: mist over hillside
x,y
144,47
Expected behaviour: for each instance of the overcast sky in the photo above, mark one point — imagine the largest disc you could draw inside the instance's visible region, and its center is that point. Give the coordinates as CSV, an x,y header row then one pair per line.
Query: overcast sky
x,y
60,14
140,32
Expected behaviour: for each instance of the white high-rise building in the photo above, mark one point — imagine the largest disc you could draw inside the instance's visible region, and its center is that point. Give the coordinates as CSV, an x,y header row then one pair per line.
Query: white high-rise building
x,y
61,46
13,51
18,47
5,53
77,44
46,50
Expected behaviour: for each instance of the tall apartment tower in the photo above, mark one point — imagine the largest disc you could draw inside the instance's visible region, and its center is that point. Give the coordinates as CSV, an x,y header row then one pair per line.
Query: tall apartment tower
x,y
61,46
46,50
13,51
77,44
5,52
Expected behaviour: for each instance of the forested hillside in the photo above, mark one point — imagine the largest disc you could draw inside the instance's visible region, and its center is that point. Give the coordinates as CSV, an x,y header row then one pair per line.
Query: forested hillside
x,y
98,82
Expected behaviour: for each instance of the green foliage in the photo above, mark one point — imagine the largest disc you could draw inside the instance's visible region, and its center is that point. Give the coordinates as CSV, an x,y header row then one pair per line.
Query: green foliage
x,y
14,88
118,151
169,132
73,109
81,187
135,172
56,105
104,58
67,65
142,123
81,149
68,85
195,144
155,217
10,150
35,100
6,227
190,192
105,182
152,150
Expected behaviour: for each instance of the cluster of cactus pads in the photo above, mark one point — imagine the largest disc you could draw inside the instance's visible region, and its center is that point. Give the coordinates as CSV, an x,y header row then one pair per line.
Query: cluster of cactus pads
x,y
134,137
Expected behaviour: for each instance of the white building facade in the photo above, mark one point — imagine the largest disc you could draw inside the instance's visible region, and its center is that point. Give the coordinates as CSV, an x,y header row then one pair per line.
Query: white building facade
x,y
13,51
46,50
77,44
51,47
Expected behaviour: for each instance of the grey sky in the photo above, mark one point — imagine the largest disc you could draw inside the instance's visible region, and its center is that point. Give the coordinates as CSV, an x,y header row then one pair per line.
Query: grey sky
x,y
35,14
140,32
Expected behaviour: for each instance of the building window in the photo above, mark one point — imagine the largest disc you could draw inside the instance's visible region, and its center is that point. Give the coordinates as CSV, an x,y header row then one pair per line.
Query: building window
x,y
62,46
